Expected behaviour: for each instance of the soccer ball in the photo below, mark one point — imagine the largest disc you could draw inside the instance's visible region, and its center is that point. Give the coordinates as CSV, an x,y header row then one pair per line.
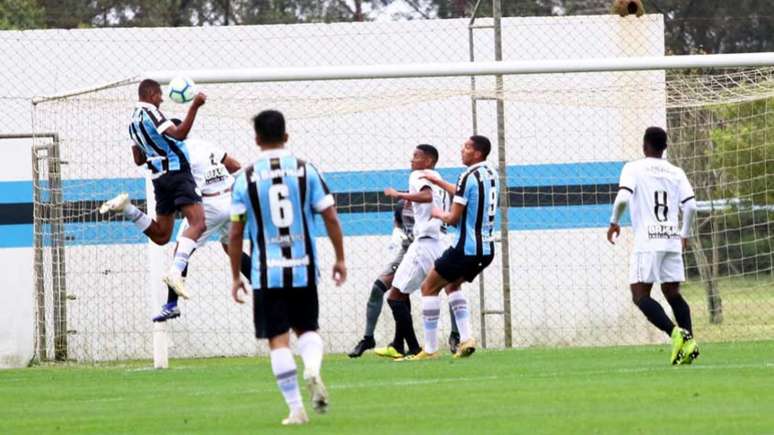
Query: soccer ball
x,y
182,90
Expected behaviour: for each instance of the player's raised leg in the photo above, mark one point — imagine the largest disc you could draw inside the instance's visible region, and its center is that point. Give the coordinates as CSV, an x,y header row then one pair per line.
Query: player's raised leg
x,y
310,346
194,214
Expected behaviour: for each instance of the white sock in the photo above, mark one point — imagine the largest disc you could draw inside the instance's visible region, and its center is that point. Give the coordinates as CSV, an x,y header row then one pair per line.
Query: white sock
x,y
310,346
431,310
459,304
284,368
137,217
185,247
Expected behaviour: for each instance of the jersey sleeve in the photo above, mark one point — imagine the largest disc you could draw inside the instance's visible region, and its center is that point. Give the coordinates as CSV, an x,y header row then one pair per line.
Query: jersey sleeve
x,y
628,179
157,120
417,182
686,190
464,187
239,201
319,195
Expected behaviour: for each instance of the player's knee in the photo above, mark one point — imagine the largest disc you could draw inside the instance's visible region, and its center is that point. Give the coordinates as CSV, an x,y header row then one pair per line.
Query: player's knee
x,y
161,239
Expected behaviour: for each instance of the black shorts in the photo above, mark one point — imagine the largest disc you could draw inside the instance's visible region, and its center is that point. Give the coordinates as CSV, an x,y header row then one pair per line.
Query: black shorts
x,y
453,264
276,310
174,190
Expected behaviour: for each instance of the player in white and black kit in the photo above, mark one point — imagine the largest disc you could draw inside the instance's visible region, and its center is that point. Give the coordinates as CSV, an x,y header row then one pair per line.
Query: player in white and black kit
x,y
211,168
656,190
429,243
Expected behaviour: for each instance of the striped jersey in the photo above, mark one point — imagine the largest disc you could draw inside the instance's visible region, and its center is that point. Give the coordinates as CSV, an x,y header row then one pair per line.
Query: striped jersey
x,y
478,190
279,194
164,153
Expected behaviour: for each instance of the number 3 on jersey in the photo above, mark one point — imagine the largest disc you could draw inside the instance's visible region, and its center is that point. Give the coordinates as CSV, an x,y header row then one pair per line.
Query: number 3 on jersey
x,y
280,206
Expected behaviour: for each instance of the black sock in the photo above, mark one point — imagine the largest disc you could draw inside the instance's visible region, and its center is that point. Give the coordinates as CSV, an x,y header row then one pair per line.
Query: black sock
x,y
171,296
656,314
397,341
246,266
401,310
682,312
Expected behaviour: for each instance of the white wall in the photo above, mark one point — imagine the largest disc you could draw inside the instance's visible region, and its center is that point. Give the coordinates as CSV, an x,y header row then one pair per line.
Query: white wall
x,y
343,126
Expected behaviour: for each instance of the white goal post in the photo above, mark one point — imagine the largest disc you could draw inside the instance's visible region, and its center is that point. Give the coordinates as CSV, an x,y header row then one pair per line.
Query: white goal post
x,y
570,126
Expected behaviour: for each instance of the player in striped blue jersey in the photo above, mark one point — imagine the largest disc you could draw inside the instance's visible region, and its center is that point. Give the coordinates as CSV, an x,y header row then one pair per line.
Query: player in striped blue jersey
x,y
276,198
474,211
160,144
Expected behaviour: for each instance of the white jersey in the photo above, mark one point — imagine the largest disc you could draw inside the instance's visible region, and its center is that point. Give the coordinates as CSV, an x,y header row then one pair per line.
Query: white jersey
x,y
207,168
659,189
424,224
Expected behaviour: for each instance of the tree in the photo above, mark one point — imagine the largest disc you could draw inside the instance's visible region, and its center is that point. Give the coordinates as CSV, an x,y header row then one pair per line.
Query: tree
x,y
20,14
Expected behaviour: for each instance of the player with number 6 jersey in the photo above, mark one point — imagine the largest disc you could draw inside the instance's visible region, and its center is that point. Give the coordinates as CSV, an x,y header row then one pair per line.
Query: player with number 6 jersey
x,y
276,198
656,191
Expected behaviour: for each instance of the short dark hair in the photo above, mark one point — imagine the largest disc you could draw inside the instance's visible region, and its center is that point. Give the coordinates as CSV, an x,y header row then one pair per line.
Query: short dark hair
x,y
429,150
482,144
147,88
656,137
270,126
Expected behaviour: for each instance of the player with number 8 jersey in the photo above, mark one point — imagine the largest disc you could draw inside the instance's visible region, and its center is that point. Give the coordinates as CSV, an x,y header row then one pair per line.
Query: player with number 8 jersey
x,y
656,191
276,198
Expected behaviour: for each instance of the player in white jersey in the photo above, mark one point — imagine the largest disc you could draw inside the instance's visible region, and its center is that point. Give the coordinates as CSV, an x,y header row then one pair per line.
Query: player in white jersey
x,y
429,243
655,191
211,168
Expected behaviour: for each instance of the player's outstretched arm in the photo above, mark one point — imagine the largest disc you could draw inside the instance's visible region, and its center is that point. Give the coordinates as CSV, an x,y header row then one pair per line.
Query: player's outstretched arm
x,y
438,181
451,217
181,131
423,196
235,256
332,225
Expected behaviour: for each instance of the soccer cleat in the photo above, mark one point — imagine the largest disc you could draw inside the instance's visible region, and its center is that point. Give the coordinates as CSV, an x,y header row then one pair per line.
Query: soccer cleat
x,y
176,281
388,352
454,342
297,416
678,340
118,203
168,312
362,346
690,350
318,392
421,356
466,349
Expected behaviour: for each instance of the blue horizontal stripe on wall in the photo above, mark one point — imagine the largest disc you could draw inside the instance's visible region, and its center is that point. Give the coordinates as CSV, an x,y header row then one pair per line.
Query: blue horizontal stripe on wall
x,y
352,181
354,224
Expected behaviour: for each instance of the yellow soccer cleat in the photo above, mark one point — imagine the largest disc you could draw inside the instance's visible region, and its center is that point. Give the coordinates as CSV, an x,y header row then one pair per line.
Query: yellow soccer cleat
x,y
297,416
690,350
678,340
388,352
466,348
421,356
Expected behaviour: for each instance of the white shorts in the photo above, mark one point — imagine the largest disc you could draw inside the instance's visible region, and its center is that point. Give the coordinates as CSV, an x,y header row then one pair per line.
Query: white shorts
x,y
217,219
656,267
417,262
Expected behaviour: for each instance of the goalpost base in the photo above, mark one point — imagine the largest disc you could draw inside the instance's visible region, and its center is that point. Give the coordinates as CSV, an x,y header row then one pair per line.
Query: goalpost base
x,y
160,346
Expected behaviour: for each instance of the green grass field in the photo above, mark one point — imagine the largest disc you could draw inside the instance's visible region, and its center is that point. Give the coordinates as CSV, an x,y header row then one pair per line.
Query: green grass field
x,y
620,390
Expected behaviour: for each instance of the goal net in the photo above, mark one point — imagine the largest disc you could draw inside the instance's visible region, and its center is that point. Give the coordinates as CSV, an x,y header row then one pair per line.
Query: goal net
x,y
566,138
